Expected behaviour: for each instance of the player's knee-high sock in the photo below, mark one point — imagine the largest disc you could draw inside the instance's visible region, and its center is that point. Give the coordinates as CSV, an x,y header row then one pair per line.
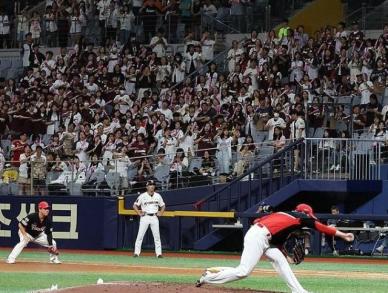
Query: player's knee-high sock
x,y
282,267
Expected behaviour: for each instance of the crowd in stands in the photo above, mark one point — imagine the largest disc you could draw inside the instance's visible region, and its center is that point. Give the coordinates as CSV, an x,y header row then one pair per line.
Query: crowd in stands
x,y
63,22
125,105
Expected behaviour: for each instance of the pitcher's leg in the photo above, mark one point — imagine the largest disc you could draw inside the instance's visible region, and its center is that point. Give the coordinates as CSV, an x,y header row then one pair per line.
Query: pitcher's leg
x,y
254,245
282,267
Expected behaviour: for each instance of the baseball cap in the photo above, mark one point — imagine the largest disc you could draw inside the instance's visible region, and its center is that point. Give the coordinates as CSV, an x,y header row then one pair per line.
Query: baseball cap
x,y
150,182
305,208
43,205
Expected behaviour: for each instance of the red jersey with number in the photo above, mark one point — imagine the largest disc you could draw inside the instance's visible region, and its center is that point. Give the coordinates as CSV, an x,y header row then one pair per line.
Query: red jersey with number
x,y
16,153
281,224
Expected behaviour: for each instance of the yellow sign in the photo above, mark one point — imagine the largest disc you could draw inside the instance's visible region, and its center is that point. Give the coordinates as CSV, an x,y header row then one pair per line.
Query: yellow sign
x,y
128,212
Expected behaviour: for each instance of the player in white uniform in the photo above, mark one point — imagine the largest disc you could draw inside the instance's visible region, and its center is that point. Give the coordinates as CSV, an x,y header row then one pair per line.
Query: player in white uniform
x,y
151,206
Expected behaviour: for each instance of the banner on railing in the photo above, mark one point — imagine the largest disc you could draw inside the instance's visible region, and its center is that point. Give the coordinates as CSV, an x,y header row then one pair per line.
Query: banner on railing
x,y
80,223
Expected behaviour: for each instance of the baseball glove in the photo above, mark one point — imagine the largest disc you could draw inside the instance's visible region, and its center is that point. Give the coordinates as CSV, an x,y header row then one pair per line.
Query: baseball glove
x,y
294,248
53,250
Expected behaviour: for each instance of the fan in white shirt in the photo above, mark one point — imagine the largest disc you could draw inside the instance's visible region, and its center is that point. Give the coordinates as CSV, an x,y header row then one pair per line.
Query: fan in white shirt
x,y
125,103
165,111
276,121
81,147
207,47
159,44
91,86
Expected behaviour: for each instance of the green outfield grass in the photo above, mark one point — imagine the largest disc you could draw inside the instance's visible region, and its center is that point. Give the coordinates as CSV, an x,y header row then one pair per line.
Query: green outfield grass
x,y
27,281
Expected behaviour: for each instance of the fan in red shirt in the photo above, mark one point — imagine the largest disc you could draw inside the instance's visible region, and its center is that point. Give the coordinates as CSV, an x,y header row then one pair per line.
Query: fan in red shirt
x,y
264,237
18,148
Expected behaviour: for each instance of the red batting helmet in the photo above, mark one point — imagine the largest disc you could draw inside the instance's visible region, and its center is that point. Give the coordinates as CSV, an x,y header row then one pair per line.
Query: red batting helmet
x,y
43,205
305,208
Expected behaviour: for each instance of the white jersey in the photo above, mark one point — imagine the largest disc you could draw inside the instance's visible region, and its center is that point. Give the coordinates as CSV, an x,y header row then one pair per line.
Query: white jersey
x,y
150,204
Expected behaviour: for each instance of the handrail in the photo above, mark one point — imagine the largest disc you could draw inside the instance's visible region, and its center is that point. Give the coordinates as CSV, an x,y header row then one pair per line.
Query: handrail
x,y
213,18
361,217
199,203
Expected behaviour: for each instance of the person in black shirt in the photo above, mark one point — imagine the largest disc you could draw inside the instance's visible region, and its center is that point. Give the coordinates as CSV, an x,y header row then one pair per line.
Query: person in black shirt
x,y
36,228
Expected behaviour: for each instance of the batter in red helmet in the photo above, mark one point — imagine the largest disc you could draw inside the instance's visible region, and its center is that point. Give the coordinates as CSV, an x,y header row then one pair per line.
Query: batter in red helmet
x,y
264,237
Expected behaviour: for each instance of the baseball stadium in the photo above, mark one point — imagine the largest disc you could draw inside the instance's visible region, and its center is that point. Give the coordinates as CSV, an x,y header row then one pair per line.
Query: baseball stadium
x,y
194,146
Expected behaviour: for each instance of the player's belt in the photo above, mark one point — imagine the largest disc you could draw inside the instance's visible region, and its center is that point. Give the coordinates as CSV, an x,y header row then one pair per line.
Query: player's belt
x,y
150,215
262,226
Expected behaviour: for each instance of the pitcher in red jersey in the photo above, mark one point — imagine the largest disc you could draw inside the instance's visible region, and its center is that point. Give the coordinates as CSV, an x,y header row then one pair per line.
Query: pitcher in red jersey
x,y
266,236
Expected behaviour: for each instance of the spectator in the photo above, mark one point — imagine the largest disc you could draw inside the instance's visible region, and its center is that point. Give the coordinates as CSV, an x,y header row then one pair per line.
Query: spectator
x,y
27,51
246,155
38,171
297,127
76,22
22,27
224,152
25,170
149,13
185,8
5,38
121,166
103,7
126,19
17,148
283,30
207,47
51,26
159,44
274,122
236,11
35,28
192,59
209,11
179,163
2,162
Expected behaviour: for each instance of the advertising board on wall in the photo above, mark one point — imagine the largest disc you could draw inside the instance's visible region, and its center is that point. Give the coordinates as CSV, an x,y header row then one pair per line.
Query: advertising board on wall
x,y
78,222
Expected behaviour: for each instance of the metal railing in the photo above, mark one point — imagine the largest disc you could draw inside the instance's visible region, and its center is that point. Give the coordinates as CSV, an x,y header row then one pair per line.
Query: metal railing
x,y
117,174
64,32
258,182
237,24
369,17
278,165
342,159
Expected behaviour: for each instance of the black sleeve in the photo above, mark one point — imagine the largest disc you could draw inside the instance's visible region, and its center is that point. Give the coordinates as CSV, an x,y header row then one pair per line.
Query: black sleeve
x,y
49,232
305,221
26,221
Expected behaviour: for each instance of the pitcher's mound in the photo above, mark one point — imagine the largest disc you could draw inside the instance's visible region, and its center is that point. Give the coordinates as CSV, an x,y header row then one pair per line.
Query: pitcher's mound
x,y
140,287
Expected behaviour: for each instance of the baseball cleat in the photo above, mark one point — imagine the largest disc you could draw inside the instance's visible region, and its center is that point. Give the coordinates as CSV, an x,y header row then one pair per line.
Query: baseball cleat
x,y
159,256
10,261
200,282
55,260
380,249
213,270
135,255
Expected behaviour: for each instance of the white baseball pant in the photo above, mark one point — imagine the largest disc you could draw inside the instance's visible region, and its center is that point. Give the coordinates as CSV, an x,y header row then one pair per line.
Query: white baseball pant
x,y
41,240
256,243
145,222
